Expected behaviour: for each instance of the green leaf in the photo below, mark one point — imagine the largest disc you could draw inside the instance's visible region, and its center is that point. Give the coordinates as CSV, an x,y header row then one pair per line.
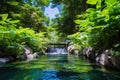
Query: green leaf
x,y
45,2
23,43
14,21
96,27
3,22
84,23
92,1
77,21
110,2
4,16
90,10
116,45
14,3
98,4
105,11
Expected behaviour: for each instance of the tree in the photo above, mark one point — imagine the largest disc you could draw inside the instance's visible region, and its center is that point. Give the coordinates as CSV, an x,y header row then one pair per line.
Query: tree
x,y
29,15
70,9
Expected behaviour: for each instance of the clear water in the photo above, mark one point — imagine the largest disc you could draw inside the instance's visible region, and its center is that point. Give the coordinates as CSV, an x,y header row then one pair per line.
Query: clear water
x,y
56,67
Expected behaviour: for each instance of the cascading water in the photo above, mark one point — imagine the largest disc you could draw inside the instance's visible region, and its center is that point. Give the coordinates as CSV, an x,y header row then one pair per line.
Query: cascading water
x,y
56,50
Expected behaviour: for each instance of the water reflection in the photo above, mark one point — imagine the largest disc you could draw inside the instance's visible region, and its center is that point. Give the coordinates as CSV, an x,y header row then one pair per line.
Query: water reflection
x,y
56,67
49,75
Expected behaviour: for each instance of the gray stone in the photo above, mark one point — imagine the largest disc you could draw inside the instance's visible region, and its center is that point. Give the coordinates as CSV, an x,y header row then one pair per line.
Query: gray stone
x,y
4,60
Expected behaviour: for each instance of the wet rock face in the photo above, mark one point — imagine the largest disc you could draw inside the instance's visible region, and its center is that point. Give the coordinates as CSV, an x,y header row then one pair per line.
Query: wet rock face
x,y
28,54
104,58
71,49
88,52
100,58
28,50
32,56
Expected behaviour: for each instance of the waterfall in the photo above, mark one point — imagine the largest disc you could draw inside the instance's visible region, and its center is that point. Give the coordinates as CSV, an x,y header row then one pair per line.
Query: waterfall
x,y
56,50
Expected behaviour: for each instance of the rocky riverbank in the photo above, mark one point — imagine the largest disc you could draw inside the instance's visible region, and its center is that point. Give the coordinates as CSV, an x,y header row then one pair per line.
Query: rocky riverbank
x,y
105,58
27,55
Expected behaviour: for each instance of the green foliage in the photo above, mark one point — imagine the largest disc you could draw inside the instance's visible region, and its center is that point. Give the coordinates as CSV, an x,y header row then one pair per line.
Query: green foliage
x,y
28,15
115,52
100,25
14,3
92,1
79,39
65,20
37,2
13,15
5,21
14,39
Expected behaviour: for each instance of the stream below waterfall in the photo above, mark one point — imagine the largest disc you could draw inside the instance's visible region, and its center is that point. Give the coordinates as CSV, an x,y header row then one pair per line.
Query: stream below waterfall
x,y
56,67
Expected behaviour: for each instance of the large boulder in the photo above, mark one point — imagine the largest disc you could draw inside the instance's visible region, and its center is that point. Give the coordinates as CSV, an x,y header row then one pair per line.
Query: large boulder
x,y
104,58
28,50
87,52
28,54
71,49
32,56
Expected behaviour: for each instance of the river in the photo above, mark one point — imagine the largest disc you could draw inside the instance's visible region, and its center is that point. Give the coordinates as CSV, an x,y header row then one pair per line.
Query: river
x,y
56,67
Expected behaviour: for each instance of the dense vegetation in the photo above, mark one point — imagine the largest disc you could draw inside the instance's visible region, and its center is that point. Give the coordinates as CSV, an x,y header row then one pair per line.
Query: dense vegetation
x,y
97,23
21,25
65,20
99,26
87,23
